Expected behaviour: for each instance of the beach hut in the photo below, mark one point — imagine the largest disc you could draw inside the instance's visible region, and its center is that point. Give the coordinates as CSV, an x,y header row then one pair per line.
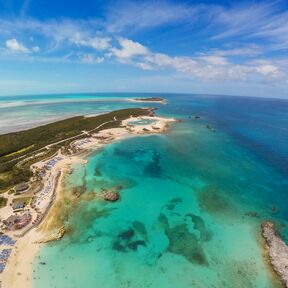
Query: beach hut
x,y
11,221
15,222
18,205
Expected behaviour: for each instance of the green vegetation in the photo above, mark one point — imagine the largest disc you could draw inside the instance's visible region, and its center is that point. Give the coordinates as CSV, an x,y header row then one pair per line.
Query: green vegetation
x,y
18,150
3,201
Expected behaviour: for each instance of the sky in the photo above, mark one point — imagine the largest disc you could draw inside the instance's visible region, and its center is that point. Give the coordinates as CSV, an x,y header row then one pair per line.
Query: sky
x,y
209,47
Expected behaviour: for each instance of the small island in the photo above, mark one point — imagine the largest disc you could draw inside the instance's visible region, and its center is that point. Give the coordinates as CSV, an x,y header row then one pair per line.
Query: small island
x,y
150,100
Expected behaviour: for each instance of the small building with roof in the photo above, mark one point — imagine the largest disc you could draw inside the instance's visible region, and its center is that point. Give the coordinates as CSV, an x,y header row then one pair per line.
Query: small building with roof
x,y
17,205
16,222
21,188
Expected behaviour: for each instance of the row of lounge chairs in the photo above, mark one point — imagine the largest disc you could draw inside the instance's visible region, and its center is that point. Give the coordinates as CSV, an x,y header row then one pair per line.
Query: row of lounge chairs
x,y
4,255
43,194
52,162
80,143
38,218
6,240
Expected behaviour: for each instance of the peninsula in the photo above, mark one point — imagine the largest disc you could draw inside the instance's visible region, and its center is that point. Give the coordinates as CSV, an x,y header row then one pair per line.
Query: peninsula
x,y
34,164
19,150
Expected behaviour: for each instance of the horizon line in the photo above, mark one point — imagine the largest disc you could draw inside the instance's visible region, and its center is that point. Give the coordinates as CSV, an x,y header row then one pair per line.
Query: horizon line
x,y
168,93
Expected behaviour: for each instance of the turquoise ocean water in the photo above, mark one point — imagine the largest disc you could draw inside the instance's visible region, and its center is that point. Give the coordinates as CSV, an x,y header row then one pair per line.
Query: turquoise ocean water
x,y
192,200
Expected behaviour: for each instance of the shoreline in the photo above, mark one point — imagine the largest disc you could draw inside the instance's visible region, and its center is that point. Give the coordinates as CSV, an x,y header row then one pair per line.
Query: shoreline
x,y
277,251
18,271
20,264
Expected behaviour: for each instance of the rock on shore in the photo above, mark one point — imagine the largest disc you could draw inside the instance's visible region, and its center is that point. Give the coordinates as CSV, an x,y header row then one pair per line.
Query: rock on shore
x,y
278,251
111,196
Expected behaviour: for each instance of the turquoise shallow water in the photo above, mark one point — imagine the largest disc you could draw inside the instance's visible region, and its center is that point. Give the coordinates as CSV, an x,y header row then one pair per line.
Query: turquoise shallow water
x,y
142,122
184,217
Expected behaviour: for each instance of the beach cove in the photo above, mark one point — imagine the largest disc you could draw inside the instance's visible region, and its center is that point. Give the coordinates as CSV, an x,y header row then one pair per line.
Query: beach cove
x,y
19,266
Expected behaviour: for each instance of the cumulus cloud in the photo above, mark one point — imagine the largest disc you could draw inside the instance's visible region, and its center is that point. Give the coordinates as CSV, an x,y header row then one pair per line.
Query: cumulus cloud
x,y
209,67
99,43
15,46
213,68
268,68
129,49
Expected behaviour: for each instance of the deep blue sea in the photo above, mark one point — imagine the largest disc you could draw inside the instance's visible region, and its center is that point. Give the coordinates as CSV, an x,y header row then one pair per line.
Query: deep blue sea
x,y
192,200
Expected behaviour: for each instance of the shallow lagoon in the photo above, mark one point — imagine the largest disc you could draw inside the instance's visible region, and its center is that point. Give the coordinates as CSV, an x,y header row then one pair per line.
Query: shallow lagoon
x,y
184,218
142,122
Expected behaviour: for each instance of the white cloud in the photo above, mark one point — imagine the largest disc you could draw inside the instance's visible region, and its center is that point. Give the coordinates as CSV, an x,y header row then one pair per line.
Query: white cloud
x,y
259,20
55,32
97,43
212,68
90,59
209,67
144,66
129,49
214,59
265,20
255,20
100,43
269,68
15,46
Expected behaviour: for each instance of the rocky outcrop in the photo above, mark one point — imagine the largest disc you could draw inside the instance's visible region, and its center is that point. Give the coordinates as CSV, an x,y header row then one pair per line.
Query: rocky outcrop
x,y
58,235
277,250
111,196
